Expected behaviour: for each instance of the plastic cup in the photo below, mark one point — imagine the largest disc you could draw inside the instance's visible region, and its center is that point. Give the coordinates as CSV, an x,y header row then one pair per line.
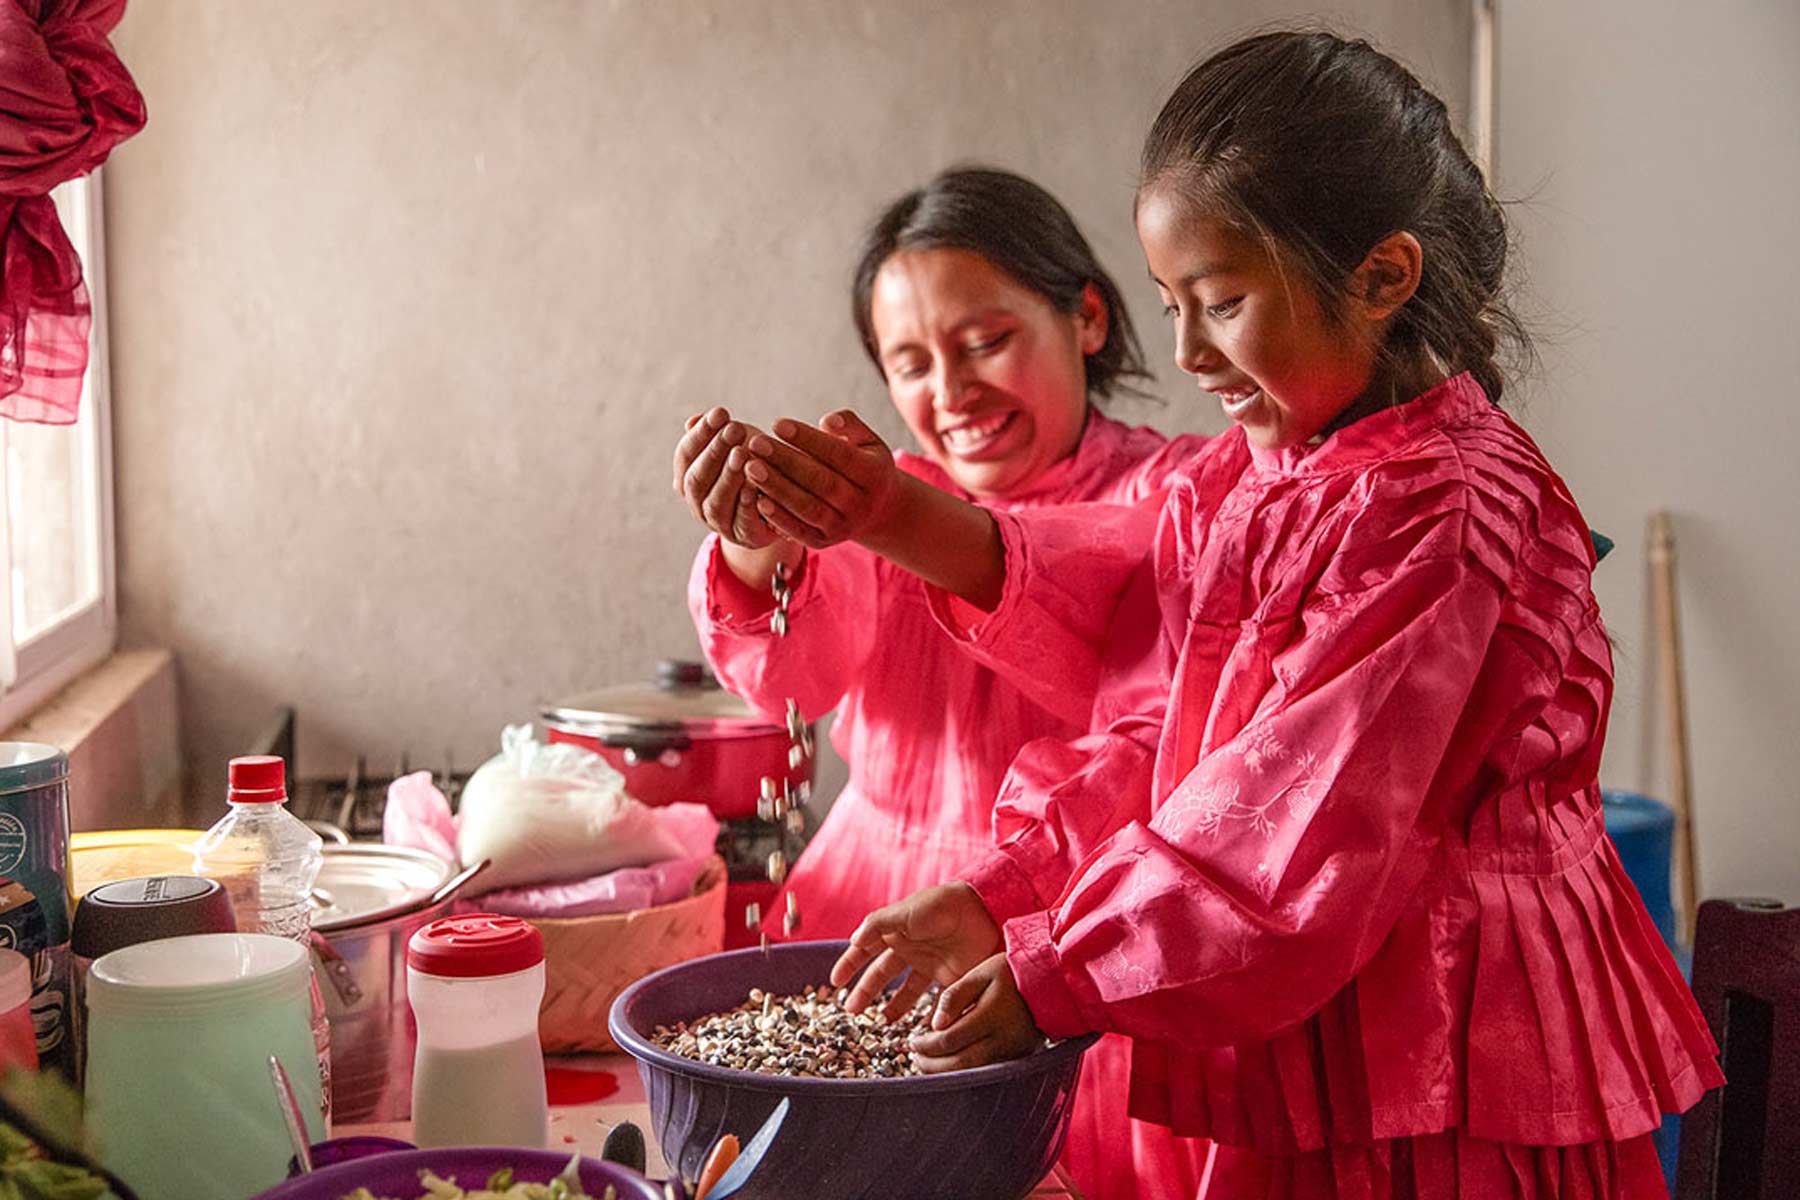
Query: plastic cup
x,y
180,1031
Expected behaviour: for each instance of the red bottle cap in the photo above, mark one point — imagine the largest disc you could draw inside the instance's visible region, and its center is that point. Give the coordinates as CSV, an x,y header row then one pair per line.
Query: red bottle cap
x,y
258,779
474,946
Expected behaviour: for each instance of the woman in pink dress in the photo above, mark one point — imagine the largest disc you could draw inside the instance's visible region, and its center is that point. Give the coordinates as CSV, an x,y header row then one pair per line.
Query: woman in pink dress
x,y
995,330
1334,856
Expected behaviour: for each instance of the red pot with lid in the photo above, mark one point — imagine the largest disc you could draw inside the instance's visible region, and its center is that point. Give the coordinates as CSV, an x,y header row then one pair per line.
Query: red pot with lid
x,y
680,738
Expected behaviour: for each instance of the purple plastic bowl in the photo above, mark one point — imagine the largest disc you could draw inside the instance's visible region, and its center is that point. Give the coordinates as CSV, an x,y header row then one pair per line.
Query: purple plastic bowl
x,y
397,1174
348,1149
992,1132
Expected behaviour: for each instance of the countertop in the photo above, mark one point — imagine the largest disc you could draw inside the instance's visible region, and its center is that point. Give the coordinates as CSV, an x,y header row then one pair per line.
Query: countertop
x,y
583,1127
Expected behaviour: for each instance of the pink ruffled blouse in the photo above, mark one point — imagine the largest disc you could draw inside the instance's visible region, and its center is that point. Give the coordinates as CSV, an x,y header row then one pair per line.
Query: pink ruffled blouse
x,y
1335,857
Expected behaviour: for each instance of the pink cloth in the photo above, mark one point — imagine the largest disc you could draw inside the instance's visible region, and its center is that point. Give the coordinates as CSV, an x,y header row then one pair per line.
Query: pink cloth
x,y
1336,861
628,889
928,732
65,101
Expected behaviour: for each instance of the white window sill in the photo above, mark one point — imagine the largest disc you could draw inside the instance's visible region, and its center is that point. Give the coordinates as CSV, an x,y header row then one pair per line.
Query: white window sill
x,y
119,723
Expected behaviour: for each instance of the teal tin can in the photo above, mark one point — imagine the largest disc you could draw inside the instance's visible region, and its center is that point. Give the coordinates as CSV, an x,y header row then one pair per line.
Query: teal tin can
x,y
34,883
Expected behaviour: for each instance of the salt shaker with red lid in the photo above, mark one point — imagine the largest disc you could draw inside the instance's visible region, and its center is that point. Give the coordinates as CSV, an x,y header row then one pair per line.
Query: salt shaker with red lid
x,y
475,983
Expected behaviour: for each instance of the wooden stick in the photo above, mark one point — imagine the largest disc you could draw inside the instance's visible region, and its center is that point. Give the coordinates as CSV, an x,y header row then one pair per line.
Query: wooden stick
x,y
1667,618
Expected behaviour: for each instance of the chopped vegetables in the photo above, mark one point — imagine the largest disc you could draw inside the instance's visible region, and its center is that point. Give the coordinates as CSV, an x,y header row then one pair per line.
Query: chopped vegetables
x,y
499,1186
25,1174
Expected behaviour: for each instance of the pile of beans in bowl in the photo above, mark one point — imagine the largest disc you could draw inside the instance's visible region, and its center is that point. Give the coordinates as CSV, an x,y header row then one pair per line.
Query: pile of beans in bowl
x,y
808,1034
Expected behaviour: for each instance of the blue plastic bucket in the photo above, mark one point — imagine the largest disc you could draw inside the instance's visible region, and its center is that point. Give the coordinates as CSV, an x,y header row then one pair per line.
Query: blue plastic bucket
x,y
1643,830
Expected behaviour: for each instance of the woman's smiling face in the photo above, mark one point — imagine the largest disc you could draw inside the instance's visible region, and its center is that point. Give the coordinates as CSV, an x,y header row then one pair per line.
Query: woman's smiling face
x,y
988,374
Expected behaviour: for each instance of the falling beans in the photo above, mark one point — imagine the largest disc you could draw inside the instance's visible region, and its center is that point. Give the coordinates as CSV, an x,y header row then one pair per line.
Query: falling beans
x,y
778,803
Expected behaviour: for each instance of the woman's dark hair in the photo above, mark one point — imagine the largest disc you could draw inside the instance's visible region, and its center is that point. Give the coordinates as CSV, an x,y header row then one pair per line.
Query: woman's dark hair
x,y
1020,228
1324,146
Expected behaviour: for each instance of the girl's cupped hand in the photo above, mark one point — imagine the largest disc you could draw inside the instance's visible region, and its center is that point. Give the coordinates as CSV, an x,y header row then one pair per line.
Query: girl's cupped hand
x,y
981,1018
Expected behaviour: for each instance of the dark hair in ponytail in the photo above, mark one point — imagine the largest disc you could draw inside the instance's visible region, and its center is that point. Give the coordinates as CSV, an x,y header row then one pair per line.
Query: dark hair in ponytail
x,y
1020,228
1324,146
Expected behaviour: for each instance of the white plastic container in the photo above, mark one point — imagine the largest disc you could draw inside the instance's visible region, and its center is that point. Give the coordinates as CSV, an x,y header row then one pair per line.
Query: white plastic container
x,y
475,983
179,1098
268,860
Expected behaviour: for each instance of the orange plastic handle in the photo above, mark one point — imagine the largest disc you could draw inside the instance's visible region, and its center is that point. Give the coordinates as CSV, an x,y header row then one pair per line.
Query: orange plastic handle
x,y
724,1153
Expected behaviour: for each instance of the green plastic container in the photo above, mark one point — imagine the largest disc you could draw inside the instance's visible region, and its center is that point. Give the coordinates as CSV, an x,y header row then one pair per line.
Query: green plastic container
x,y
180,1098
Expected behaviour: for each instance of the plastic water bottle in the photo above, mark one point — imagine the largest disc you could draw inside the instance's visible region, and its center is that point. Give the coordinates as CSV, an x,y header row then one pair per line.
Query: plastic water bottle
x,y
268,859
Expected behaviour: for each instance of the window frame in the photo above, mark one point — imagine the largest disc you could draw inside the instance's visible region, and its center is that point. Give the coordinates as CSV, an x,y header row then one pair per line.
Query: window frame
x,y
34,670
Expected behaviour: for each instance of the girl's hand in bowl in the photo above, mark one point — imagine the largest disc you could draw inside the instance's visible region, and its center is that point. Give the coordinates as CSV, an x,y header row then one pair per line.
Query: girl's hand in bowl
x,y
979,1019
940,933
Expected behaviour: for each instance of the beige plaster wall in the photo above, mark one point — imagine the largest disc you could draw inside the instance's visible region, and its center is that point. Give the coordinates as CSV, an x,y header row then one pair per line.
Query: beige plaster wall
x,y
1653,147
411,299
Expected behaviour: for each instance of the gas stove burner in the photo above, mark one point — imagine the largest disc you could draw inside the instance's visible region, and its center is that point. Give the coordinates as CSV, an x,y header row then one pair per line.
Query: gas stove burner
x,y
357,803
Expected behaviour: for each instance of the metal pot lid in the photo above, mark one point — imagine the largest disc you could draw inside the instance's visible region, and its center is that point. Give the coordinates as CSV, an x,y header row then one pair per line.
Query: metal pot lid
x,y
365,882
684,696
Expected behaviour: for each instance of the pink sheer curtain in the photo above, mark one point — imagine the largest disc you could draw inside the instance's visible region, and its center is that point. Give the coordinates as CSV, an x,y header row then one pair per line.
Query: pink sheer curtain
x,y
65,101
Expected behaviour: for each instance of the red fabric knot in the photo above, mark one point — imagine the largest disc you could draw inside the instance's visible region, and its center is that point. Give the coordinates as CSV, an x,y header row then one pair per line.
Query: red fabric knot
x,y
65,101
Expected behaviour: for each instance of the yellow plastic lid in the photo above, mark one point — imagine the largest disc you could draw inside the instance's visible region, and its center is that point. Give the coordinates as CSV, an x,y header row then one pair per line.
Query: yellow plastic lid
x,y
103,855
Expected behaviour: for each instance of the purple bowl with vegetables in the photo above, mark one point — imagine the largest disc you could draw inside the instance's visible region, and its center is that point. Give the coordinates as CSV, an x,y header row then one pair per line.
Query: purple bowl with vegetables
x,y
992,1132
396,1176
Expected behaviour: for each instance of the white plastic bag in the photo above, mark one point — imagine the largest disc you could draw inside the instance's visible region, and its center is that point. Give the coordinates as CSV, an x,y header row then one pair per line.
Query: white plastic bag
x,y
546,813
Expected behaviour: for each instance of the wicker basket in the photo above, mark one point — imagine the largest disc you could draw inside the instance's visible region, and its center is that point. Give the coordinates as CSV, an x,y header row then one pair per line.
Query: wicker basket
x,y
588,961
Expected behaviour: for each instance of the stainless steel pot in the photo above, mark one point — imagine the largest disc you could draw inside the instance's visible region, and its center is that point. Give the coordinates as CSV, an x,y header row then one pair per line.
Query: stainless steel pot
x,y
366,906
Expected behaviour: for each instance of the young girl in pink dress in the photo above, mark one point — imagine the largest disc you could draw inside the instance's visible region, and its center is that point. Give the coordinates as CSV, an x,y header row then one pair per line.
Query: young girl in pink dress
x,y
1335,860
994,328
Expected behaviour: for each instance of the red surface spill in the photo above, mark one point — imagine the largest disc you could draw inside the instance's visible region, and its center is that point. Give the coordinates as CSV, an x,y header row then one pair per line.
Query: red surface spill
x,y
566,1087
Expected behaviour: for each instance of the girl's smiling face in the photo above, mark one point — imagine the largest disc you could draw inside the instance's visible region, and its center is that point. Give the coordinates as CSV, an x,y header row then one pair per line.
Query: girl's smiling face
x,y
989,375
1250,332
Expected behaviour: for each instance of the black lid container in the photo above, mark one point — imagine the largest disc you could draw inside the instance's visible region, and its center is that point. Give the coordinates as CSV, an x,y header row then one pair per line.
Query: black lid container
x,y
128,911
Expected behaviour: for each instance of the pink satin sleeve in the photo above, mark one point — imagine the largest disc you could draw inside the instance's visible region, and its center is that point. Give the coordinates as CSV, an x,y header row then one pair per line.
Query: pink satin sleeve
x,y
1067,569
834,619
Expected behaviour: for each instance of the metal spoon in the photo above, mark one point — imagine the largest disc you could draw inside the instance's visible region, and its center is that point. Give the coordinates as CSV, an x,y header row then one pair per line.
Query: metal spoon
x,y
625,1146
290,1111
455,883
